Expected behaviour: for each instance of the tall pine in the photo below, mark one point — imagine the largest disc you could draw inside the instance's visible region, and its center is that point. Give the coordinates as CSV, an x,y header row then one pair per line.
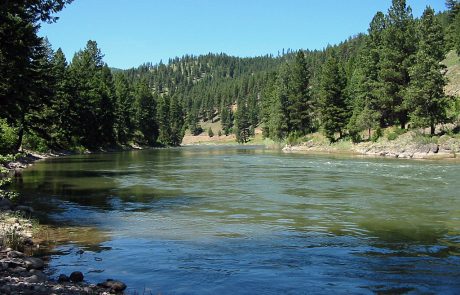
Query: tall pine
x,y
334,113
425,96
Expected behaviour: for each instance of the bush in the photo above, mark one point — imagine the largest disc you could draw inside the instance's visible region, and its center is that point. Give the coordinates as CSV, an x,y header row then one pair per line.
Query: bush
x,y
210,132
8,137
294,138
34,142
396,133
219,133
377,134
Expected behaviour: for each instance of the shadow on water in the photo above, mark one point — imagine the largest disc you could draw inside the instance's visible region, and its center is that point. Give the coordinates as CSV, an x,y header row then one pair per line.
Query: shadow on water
x,y
219,218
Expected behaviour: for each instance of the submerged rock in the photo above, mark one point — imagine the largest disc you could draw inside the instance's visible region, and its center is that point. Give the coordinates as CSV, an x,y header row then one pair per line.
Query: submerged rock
x,y
76,277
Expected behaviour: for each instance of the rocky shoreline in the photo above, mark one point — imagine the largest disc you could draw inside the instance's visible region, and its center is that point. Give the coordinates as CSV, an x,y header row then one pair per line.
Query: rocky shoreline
x,y
405,147
20,272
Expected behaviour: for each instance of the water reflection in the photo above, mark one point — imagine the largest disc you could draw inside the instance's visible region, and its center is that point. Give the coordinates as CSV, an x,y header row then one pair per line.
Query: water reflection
x,y
249,220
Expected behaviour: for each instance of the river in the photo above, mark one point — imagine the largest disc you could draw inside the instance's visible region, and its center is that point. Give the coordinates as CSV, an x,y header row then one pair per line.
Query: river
x,y
246,220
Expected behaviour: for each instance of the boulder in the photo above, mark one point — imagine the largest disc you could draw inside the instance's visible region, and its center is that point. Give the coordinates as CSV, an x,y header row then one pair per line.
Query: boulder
x,y
113,285
25,209
5,204
33,263
38,277
76,277
15,254
18,269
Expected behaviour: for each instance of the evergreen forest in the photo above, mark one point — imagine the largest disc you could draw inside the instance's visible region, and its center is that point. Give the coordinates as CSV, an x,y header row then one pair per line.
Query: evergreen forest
x,y
391,75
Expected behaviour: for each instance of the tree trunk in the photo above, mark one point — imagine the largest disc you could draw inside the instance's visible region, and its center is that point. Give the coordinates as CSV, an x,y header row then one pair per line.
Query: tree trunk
x,y
432,129
18,146
369,133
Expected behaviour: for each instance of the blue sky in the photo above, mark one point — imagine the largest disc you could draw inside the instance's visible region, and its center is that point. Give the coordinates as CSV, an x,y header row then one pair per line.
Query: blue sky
x,y
131,32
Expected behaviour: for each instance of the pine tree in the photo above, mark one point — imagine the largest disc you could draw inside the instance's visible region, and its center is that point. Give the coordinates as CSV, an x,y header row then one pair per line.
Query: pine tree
x,y
300,102
425,96
398,49
334,111
146,112
125,110
164,120
176,119
93,95
62,111
364,82
242,122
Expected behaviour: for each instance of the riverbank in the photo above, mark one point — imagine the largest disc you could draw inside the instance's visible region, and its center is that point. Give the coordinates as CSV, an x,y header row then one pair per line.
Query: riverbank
x,y
20,271
409,145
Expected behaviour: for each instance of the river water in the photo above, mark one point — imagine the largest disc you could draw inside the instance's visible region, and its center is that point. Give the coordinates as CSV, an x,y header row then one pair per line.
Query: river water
x,y
245,220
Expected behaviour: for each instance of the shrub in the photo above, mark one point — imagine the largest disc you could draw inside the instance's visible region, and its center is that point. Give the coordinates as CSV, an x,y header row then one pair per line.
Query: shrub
x,y
294,138
8,136
210,132
377,134
34,142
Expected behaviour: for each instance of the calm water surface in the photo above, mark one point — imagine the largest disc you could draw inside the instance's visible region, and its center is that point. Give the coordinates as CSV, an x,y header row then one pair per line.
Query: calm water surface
x,y
234,220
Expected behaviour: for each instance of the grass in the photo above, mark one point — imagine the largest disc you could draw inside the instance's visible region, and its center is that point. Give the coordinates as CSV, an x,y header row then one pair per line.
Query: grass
x,y
12,236
452,62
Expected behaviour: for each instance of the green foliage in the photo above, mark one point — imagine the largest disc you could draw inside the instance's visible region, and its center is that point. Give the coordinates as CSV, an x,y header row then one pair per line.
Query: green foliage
x,y
334,112
219,133
242,122
8,136
146,113
377,134
425,98
397,51
34,142
210,133
294,138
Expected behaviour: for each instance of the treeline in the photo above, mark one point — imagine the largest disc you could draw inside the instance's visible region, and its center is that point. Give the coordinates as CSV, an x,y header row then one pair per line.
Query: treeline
x,y
394,76
390,76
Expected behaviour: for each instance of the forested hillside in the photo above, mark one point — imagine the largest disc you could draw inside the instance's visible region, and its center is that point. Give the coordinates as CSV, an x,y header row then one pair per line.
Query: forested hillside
x,y
392,75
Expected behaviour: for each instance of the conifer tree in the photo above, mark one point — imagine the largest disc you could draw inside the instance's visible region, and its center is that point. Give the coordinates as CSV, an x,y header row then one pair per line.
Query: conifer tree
x,y
176,119
398,49
125,108
334,113
425,96
146,112
242,122
300,102
364,82
163,118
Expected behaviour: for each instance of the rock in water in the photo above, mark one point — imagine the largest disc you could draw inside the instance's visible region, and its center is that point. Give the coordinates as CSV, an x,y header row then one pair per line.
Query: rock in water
x,y
115,286
33,263
63,278
76,277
